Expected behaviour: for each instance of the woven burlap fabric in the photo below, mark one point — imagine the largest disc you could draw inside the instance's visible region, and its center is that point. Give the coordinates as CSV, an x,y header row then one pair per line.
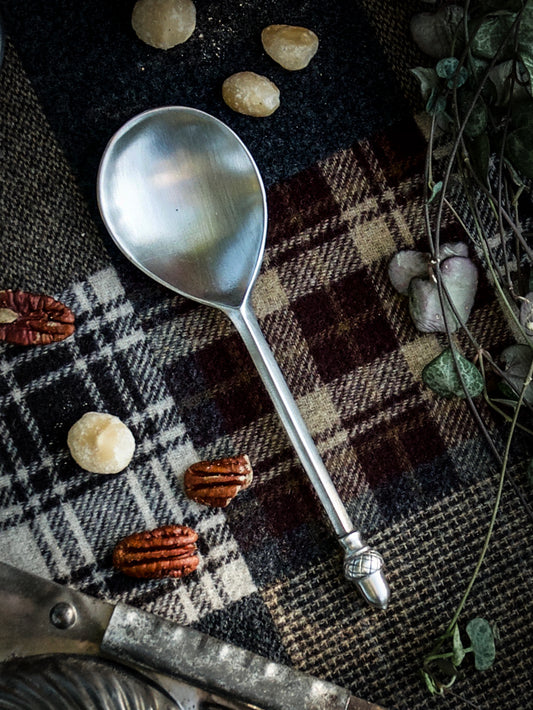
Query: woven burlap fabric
x,y
391,22
378,655
47,236
410,467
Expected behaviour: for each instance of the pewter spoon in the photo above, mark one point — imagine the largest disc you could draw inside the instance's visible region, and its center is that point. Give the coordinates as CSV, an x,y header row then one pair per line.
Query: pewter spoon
x,y
183,199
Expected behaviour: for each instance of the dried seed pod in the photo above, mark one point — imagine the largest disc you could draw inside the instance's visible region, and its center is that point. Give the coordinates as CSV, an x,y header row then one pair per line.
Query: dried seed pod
x,y
33,319
168,551
216,483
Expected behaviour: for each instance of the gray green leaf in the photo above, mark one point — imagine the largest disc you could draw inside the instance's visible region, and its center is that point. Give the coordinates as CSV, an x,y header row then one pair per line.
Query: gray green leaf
x,y
430,684
437,187
506,77
458,649
436,103
517,361
428,80
525,40
478,116
480,634
449,69
441,376
493,37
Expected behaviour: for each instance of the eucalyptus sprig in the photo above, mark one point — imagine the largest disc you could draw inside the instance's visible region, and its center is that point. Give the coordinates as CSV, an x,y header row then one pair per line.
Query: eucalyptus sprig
x,y
479,94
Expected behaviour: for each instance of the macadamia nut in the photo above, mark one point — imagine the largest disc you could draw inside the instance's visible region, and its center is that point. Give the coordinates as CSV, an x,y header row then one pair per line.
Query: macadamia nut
x,y
251,94
101,443
164,23
292,47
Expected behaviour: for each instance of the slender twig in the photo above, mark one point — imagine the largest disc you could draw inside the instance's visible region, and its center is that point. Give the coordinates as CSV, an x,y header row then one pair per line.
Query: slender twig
x,y
462,699
496,503
502,205
450,628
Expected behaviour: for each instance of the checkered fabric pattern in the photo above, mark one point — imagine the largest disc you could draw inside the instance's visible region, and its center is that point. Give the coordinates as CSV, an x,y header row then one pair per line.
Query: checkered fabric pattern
x,y
411,468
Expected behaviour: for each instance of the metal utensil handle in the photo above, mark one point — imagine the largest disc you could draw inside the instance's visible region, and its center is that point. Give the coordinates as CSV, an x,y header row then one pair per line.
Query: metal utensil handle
x,y
362,565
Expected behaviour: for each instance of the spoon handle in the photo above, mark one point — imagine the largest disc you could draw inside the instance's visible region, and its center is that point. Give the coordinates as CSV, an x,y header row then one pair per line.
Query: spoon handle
x,y
361,565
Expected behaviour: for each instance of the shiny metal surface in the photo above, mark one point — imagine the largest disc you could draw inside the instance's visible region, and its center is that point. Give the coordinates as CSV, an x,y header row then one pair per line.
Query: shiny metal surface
x,y
77,683
111,654
134,636
27,628
183,199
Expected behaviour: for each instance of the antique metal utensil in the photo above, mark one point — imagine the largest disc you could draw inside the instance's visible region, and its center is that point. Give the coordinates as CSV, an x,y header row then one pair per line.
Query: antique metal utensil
x,y
62,649
183,199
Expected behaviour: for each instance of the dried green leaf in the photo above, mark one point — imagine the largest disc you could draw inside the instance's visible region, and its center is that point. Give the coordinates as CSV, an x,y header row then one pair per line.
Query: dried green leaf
x,y
449,69
458,649
430,684
441,376
478,116
493,37
525,41
428,80
480,634
517,361
501,81
477,67
437,187
436,103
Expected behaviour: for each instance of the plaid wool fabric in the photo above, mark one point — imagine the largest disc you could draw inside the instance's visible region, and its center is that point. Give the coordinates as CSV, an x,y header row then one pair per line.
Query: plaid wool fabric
x,y
412,468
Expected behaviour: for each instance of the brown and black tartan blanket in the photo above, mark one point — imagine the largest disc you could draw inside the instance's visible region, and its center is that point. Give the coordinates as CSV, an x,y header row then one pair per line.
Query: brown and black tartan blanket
x,y
343,164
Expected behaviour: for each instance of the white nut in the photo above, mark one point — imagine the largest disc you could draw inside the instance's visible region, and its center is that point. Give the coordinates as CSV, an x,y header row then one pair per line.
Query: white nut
x,y
164,23
292,47
101,443
251,94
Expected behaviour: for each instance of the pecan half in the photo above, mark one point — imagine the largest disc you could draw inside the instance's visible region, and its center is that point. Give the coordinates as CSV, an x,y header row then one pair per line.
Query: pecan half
x,y
168,551
215,483
33,319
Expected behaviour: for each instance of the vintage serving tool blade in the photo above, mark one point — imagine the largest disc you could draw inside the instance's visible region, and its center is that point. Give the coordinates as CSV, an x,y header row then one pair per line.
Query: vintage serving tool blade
x,y
183,199
60,648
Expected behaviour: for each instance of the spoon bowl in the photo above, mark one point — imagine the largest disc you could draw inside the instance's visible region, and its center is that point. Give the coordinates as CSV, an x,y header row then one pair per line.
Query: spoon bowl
x,y
183,199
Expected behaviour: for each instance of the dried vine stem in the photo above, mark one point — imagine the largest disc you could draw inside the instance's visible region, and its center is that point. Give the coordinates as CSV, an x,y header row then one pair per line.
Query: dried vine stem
x,y
504,223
